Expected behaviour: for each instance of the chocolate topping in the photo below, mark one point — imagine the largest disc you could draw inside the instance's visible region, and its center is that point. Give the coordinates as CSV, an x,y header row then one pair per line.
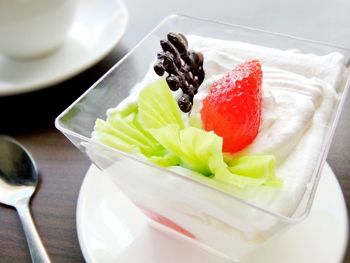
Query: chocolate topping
x,y
185,68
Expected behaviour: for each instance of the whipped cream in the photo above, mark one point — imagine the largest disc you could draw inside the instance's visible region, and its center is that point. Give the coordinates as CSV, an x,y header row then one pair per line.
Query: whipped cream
x,y
299,93
290,95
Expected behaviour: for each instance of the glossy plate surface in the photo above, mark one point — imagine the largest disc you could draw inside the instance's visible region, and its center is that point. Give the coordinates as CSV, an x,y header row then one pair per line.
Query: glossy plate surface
x,y
111,229
98,26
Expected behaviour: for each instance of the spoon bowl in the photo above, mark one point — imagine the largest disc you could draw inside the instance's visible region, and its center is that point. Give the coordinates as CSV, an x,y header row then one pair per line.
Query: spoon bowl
x,y
18,172
18,181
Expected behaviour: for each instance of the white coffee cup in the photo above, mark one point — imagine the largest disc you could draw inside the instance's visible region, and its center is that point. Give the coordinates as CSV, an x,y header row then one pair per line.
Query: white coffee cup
x,y
34,28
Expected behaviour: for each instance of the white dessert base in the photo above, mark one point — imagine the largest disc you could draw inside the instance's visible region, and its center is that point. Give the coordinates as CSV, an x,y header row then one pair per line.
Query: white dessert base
x,y
112,229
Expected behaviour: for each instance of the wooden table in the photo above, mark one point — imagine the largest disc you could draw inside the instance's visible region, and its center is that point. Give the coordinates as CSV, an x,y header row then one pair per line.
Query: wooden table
x,y
29,118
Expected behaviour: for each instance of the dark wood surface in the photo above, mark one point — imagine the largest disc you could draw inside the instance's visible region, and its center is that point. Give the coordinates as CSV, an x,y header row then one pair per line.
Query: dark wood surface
x,y
29,118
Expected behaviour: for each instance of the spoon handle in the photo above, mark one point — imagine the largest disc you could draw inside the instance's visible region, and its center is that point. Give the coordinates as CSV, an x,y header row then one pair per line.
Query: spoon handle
x,y
36,248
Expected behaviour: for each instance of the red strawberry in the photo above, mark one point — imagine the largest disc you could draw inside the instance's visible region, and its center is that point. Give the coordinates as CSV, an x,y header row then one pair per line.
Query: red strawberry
x,y
232,108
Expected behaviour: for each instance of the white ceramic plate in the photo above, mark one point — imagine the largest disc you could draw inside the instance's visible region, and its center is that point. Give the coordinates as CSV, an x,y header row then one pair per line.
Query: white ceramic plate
x,y
111,229
97,28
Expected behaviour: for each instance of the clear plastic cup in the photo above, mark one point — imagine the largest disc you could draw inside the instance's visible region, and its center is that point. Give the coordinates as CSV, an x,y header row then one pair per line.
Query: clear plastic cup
x,y
227,224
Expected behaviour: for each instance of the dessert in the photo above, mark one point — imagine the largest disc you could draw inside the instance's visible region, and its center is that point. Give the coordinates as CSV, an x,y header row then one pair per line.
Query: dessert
x,y
294,102
288,123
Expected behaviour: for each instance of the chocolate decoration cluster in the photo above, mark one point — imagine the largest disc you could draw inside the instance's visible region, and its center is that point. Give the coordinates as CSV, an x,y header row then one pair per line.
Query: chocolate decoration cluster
x,y
185,68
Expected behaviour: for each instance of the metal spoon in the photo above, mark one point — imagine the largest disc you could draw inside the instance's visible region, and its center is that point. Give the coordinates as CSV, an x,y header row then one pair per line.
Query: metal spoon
x,y
18,181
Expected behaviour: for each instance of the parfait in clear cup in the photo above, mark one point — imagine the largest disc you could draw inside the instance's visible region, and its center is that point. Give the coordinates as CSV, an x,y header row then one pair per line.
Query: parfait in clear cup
x,y
220,133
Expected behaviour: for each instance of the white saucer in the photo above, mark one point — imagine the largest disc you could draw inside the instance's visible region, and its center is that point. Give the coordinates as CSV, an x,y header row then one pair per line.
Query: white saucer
x,y
111,229
98,27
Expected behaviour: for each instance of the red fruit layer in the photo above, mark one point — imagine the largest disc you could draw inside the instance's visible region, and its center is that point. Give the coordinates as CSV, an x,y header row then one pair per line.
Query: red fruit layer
x,y
166,222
